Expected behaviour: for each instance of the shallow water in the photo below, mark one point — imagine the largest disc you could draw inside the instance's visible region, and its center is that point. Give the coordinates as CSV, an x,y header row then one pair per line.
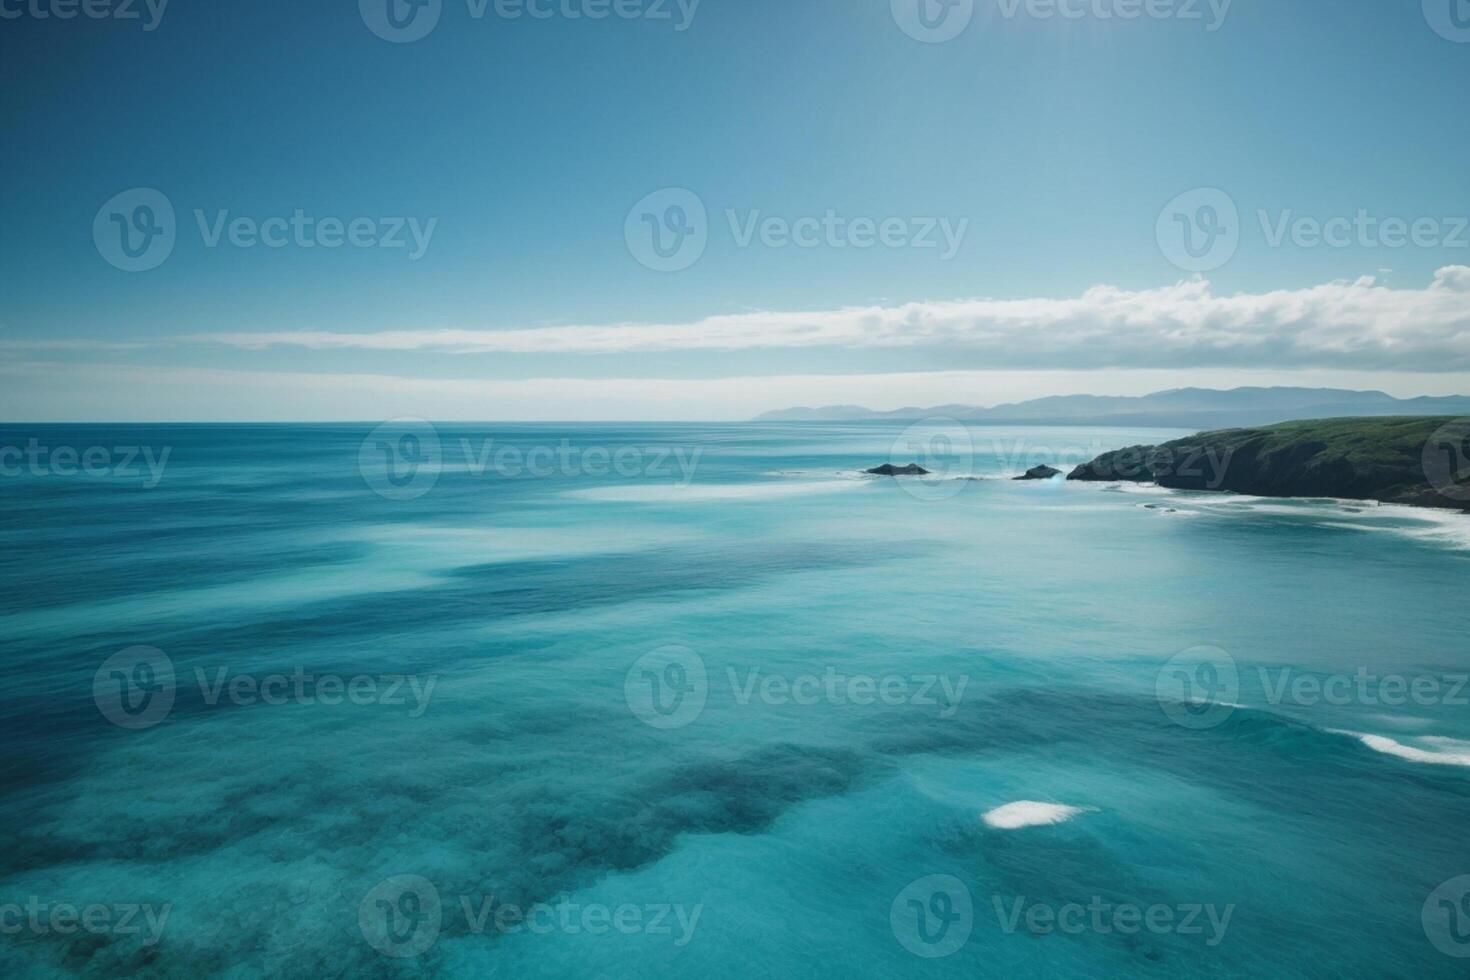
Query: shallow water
x,y
726,708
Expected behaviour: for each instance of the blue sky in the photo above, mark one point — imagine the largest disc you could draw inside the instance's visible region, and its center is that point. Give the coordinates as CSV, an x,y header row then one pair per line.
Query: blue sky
x,y
1036,151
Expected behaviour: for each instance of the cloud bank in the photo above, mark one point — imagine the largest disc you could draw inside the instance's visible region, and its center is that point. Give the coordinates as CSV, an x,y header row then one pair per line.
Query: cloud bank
x,y
56,391
1358,324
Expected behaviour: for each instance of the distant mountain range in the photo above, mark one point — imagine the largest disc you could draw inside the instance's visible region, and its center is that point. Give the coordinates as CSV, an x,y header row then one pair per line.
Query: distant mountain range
x,y
1193,408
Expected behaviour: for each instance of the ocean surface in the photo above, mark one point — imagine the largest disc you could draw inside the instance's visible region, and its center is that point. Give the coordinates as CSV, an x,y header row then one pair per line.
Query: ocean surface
x,y
705,700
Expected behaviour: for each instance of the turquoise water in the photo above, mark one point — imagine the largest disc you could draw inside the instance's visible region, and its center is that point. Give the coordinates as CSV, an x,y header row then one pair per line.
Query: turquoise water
x,y
757,716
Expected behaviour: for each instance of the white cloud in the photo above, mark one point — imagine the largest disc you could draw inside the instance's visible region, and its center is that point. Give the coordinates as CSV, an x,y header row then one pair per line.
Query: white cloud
x,y
1360,324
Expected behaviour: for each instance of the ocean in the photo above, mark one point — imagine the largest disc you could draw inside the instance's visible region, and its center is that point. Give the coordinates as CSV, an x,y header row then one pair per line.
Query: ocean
x,y
655,700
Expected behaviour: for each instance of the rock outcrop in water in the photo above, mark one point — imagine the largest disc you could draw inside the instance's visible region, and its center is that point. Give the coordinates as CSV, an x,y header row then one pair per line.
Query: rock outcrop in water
x,y
1424,462
1039,473
888,469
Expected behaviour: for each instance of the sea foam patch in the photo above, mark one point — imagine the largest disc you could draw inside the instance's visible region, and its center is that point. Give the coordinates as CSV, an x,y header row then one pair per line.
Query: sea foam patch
x,y
1030,813
1440,527
1443,528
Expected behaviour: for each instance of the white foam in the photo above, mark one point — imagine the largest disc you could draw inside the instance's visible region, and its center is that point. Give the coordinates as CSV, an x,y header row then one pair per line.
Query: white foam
x,y
698,492
1345,526
1454,752
1440,527
826,474
1151,489
1435,526
1453,744
1443,527
1029,813
1288,508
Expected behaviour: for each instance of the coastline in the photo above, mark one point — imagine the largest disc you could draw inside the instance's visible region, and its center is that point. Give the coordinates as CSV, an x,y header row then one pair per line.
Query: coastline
x,y
1410,461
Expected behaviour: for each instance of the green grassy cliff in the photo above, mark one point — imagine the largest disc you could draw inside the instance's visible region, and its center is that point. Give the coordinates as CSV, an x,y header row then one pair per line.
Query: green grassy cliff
x,y
1423,461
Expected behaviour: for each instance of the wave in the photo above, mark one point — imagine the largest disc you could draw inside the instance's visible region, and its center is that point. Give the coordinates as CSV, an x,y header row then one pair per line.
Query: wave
x,y
1431,750
1443,751
1148,489
1029,813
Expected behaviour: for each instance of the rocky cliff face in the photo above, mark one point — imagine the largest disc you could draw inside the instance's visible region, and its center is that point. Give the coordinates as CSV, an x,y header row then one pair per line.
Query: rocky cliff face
x,y
888,469
1419,461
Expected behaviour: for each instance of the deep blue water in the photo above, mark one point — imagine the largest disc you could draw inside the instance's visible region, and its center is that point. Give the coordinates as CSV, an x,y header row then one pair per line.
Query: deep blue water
x,y
700,700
